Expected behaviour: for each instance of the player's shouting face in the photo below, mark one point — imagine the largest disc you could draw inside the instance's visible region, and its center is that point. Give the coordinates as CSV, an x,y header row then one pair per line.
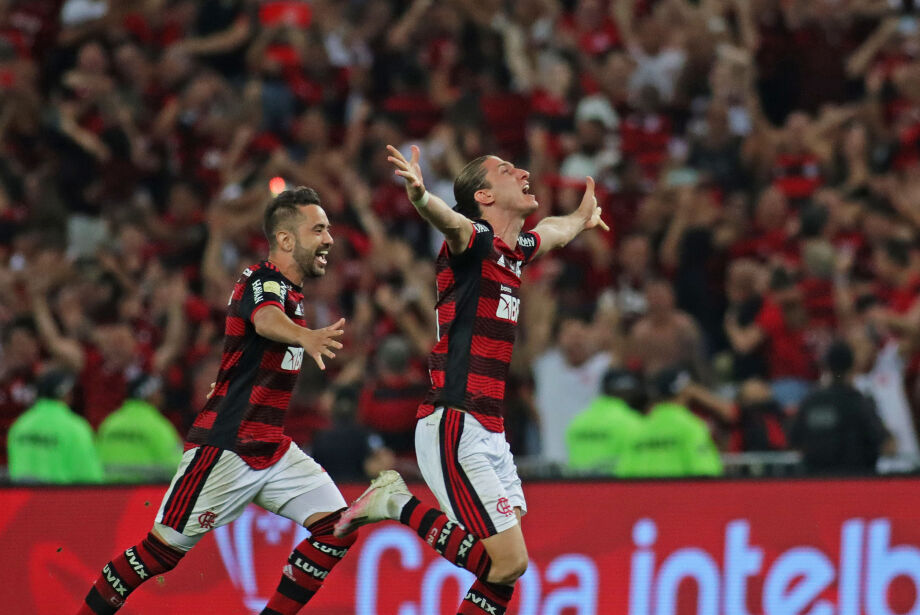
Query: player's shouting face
x,y
509,187
311,240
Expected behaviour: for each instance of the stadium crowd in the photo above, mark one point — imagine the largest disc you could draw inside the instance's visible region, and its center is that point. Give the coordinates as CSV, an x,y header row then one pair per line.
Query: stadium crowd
x,y
758,160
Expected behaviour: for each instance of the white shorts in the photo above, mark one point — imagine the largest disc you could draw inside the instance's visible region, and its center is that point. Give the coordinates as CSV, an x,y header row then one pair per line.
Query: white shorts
x,y
212,487
470,470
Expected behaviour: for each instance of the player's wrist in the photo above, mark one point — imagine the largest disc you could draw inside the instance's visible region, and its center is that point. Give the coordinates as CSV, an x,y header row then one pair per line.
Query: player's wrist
x,y
422,201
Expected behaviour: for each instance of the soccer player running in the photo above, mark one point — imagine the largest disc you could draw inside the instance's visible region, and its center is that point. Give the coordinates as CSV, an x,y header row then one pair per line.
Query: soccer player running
x,y
236,451
459,437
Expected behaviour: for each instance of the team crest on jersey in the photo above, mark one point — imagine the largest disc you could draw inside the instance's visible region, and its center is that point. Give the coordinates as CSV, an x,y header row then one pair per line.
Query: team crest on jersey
x,y
293,359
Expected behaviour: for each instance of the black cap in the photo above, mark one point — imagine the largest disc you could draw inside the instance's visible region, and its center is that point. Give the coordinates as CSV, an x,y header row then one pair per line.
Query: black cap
x,y
144,386
668,382
618,382
839,358
55,383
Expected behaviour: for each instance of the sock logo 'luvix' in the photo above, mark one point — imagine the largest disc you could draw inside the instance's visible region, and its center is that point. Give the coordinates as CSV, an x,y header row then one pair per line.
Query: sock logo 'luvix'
x,y
339,553
136,564
482,602
307,566
115,581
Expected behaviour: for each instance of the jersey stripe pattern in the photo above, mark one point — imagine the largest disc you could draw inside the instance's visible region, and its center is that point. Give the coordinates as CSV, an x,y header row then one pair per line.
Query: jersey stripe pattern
x,y
478,306
257,375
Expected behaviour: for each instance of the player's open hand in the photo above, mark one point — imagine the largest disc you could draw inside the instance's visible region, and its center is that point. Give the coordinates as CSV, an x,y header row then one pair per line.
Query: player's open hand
x,y
589,207
319,343
409,170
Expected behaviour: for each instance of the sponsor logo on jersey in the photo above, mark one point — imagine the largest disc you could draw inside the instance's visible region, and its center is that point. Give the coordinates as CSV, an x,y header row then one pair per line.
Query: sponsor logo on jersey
x,y
257,291
508,308
248,272
293,359
298,311
512,265
480,228
527,241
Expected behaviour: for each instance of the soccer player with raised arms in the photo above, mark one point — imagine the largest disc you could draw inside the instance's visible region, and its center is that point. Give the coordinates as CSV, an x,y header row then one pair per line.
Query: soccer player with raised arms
x,y
236,451
459,438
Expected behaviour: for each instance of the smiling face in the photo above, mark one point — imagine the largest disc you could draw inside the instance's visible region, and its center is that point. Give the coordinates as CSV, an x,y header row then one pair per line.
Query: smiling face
x,y
312,240
509,187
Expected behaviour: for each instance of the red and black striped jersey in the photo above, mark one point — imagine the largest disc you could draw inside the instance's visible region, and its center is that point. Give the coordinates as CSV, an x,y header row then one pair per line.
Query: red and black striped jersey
x,y
257,375
478,306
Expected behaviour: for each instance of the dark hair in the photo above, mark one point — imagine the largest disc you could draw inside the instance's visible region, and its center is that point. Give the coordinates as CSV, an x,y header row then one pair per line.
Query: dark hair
x,y
898,252
469,180
22,322
839,358
283,209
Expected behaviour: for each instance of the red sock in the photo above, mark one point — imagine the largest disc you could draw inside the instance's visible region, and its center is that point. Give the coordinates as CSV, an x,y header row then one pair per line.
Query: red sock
x,y
308,567
126,572
486,598
446,537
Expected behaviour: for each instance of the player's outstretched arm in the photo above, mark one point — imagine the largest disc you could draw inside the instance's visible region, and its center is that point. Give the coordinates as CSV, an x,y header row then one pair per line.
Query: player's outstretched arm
x,y
557,231
273,323
457,228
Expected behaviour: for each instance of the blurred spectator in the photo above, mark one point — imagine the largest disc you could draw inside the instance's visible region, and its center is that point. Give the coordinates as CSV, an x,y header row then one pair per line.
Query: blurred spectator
x,y
390,397
880,375
567,375
136,443
19,364
672,441
837,428
348,451
666,335
596,437
49,443
780,325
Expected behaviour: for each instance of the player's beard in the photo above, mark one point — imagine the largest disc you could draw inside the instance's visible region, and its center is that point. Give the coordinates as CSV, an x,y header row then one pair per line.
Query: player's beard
x,y
306,260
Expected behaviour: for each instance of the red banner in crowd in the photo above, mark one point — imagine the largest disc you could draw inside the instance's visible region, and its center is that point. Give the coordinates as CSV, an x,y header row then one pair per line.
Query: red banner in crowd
x,y
846,547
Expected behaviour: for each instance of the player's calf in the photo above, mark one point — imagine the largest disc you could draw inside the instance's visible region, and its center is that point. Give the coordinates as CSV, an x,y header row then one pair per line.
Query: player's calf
x,y
126,572
485,598
308,566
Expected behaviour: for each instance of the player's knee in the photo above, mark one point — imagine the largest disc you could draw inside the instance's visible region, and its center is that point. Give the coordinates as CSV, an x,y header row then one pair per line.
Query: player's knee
x,y
508,569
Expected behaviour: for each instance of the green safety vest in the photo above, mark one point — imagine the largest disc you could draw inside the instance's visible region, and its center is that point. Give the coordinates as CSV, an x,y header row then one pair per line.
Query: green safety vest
x,y
671,442
596,437
49,443
138,444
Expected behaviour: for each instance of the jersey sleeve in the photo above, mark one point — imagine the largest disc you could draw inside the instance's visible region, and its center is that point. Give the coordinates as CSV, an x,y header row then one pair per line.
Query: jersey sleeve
x,y
479,246
264,287
529,243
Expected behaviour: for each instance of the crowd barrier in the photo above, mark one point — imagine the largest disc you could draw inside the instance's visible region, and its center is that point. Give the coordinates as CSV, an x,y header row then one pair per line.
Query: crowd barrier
x,y
722,547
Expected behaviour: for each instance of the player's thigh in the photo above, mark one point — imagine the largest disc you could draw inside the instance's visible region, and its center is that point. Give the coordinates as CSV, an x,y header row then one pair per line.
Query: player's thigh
x,y
503,462
455,458
298,488
211,488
